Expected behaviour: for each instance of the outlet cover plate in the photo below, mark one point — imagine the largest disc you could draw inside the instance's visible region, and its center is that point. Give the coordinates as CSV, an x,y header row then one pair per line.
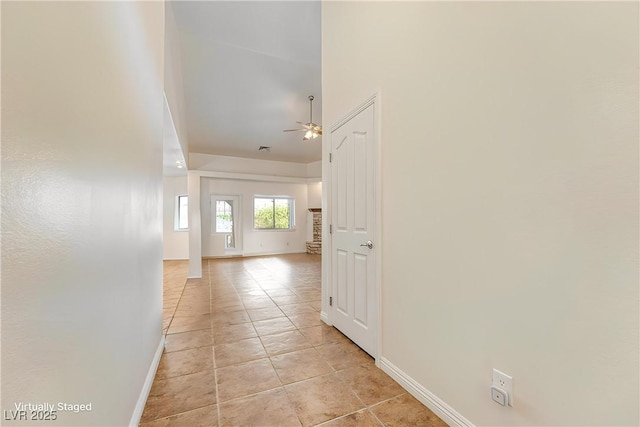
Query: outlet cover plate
x,y
499,396
504,382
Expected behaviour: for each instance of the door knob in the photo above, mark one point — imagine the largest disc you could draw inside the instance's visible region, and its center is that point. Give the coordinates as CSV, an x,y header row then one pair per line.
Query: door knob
x,y
369,244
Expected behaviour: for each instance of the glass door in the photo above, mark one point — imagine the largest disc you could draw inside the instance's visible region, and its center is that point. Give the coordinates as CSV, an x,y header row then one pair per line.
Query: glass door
x,y
225,215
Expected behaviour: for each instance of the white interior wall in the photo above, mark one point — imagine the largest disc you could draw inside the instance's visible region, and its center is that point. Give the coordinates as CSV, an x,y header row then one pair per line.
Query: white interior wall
x,y
510,197
315,194
254,242
175,243
314,169
82,124
210,162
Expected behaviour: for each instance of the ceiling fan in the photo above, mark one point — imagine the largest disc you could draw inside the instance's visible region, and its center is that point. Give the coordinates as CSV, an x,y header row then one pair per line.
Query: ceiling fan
x,y
312,130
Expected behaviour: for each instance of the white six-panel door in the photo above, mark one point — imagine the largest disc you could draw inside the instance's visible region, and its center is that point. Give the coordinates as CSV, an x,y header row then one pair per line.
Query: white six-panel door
x,y
354,296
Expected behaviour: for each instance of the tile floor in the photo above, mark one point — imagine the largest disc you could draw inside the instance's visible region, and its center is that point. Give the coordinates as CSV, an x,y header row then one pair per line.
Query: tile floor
x,y
245,346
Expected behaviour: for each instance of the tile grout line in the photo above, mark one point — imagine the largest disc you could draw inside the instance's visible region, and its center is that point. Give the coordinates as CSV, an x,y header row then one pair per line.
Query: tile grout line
x,y
184,286
343,381
246,275
218,400
250,320
278,307
380,403
333,371
286,393
173,415
167,333
387,400
366,407
213,347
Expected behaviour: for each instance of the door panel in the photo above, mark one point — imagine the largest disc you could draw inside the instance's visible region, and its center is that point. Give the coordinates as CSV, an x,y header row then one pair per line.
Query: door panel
x,y
342,300
360,289
353,215
360,181
341,170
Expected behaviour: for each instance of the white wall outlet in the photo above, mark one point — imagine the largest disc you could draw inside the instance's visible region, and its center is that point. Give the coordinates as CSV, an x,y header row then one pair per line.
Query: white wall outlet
x,y
503,382
499,396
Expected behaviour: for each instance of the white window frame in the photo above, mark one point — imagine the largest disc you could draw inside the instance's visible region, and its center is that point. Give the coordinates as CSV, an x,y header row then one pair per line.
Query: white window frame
x,y
292,213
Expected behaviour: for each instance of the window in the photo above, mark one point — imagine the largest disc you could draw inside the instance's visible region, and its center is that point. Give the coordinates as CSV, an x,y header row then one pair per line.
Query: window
x,y
224,216
273,213
182,213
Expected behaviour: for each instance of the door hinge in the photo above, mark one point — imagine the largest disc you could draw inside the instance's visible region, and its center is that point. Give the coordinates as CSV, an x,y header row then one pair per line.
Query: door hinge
x,y
330,228
330,157
330,301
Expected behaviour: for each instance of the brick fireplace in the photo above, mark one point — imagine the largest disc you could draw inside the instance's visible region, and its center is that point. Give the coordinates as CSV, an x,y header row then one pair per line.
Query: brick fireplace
x,y
315,246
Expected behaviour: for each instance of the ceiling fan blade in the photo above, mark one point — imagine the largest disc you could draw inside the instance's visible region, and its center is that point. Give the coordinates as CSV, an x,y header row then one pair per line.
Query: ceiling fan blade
x,y
312,130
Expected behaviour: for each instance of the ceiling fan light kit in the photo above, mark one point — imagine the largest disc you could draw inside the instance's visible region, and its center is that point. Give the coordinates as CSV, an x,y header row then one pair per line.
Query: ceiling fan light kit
x,y
312,130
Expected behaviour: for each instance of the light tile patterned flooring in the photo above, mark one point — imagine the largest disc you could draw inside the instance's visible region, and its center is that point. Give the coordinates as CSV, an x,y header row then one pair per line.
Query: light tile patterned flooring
x,y
245,346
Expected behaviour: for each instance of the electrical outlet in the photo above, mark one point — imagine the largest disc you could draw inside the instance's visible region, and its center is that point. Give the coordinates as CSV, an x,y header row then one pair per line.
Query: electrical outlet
x,y
499,396
503,382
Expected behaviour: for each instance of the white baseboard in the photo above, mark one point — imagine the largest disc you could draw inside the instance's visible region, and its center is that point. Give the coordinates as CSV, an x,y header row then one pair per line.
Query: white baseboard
x,y
325,318
290,251
430,400
254,254
146,387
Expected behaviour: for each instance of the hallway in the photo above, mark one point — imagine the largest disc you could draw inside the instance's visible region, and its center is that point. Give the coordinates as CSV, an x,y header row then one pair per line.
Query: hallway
x,y
245,346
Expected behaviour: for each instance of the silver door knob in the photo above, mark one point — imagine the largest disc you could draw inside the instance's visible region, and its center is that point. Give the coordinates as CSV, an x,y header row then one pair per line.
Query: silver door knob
x,y
369,244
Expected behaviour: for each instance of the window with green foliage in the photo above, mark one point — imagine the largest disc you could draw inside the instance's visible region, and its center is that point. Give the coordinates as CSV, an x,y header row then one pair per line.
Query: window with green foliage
x,y
273,213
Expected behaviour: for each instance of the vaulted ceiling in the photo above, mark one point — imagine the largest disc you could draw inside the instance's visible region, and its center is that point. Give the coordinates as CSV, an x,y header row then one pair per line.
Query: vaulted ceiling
x,y
247,70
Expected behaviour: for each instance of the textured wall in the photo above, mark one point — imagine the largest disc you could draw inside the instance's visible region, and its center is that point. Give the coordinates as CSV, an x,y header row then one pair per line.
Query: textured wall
x,y
510,197
82,129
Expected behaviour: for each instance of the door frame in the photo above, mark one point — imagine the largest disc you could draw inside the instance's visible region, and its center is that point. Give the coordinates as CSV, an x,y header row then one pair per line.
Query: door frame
x,y
327,267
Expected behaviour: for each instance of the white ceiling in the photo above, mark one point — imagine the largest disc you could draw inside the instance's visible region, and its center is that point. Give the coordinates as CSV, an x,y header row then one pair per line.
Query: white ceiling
x,y
247,69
